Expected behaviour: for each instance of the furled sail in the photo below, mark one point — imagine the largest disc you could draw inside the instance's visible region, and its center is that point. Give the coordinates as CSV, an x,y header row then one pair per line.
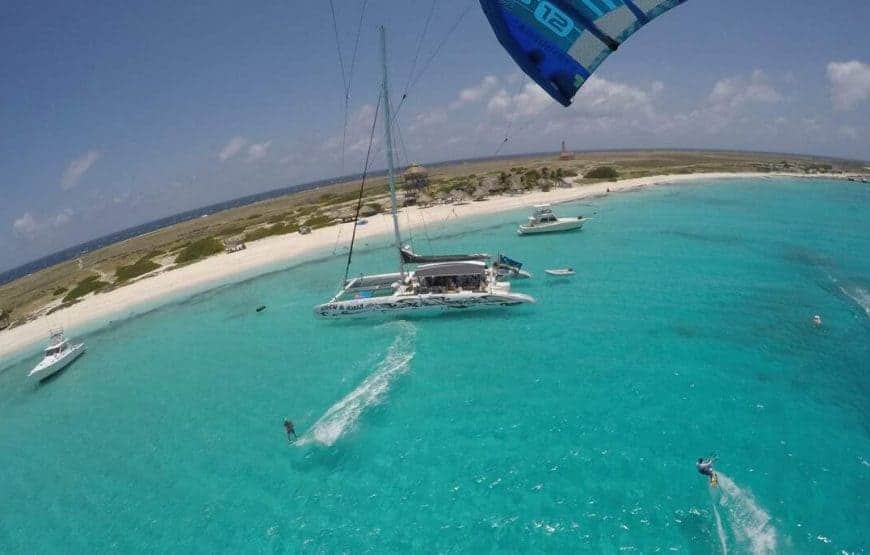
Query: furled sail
x,y
560,43
408,257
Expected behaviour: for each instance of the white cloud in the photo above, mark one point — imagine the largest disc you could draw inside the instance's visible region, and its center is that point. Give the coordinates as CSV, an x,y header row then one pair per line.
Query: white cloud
x,y
258,151
63,217
232,148
529,102
849,82
599,97
602,97
730,104
426,120
848,132
25,226
476,93
735,92
77,168
30,226
359,128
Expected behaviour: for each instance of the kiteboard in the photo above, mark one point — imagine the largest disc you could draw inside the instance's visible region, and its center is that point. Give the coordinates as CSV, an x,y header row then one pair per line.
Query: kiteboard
x,y
714,481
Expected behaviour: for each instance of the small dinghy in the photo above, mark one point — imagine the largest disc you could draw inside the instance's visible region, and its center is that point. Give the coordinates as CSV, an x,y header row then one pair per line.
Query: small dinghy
x,y
561,272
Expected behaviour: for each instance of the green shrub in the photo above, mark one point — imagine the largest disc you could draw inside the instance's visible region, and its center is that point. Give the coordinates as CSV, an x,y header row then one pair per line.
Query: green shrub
x,y
276,218
307,209
602,172
232,230
136,269
85,286
58,291
569,173
321,220
198,250
369,209
268,231
530,178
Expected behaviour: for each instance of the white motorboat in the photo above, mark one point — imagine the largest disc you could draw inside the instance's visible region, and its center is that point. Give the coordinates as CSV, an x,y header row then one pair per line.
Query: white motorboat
x,y
58,355
561,272
543,220
436,282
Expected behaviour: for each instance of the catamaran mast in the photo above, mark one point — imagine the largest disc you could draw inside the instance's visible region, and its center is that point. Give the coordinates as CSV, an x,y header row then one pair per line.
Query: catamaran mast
x,y
391,178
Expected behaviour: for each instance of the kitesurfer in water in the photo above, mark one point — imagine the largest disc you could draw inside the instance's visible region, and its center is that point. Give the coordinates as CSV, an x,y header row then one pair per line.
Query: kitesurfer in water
x,y
291,431
705,467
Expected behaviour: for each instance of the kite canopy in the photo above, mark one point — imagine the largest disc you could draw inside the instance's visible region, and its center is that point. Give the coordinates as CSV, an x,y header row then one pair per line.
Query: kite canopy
x,y
560,43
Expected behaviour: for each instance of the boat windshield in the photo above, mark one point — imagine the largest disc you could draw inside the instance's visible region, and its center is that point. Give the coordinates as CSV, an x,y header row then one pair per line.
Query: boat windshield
x,y
51,351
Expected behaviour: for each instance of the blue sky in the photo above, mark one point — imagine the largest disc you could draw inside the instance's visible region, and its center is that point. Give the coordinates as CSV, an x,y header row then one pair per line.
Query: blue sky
x,y
112,115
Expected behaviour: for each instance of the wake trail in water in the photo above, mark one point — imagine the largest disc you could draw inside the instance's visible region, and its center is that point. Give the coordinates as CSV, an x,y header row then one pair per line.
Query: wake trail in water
x,y
343,415
860,296
723,538
749,522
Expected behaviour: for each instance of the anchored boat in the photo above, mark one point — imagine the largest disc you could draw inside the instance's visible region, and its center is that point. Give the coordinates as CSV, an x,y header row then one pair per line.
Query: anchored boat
x,y
437,282
543,220
57,355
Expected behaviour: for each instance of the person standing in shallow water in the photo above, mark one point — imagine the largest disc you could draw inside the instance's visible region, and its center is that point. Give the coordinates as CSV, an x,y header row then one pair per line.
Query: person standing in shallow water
x,y
291,431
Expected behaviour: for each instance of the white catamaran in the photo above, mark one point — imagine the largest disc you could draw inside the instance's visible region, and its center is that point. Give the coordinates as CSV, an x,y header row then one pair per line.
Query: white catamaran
x,y
435,282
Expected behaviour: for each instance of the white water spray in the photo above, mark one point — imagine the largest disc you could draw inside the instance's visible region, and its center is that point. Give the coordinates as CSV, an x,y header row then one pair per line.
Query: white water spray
x,y
750,524
723,538
343,415
860,296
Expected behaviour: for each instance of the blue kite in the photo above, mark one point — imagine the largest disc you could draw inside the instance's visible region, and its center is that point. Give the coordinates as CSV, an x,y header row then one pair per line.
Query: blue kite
x,y
560,43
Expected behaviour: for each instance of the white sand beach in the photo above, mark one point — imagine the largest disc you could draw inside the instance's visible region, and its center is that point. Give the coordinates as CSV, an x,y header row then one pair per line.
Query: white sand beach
x,y
271,253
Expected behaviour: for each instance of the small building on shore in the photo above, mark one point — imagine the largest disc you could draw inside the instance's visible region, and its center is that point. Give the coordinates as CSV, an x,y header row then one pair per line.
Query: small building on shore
x,y
234,245
416,177
416,182
564,154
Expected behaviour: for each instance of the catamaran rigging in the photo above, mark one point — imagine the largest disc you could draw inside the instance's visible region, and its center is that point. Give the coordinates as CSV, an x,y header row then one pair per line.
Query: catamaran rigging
x,y
437,282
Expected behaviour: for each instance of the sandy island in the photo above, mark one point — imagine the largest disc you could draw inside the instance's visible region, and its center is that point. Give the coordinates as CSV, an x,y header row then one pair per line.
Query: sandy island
x,y
273,253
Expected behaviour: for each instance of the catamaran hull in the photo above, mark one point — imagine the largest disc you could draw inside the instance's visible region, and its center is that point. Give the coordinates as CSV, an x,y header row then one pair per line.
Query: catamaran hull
x,y
564,224
429,302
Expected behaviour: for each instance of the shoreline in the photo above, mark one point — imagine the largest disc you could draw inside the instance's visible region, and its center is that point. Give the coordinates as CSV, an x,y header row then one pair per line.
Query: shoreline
x,y
275,253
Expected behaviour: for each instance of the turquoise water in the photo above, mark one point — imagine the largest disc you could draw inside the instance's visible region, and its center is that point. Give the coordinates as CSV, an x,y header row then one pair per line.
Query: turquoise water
x,y
570,425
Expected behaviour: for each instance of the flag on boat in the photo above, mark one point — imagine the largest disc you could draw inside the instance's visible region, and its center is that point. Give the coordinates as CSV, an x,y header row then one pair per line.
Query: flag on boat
x,y
560,43
505,261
